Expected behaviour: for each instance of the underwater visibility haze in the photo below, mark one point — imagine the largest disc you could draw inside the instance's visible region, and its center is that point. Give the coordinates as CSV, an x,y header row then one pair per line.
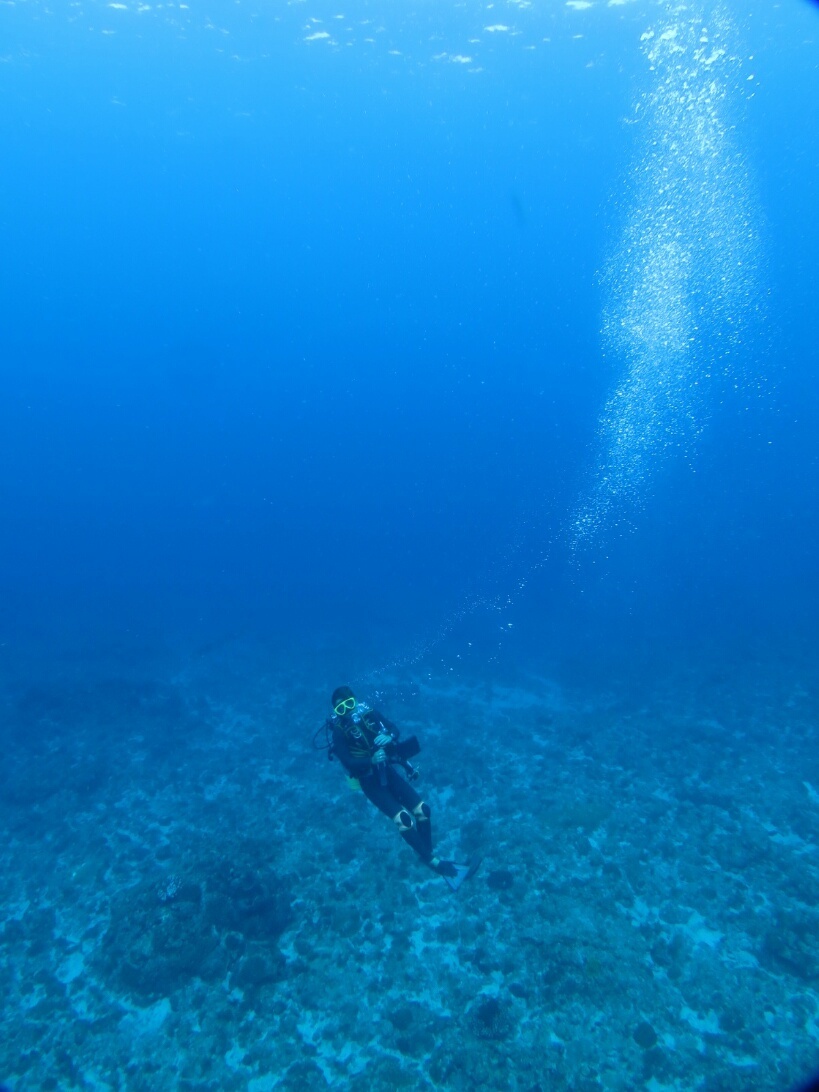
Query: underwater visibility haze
x,y
462,354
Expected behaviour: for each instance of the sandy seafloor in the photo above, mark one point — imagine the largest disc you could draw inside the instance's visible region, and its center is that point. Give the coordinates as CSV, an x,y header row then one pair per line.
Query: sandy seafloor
x,y
193,899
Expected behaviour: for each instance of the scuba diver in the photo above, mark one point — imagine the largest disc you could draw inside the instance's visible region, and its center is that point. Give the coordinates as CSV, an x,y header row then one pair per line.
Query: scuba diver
x,y
370,750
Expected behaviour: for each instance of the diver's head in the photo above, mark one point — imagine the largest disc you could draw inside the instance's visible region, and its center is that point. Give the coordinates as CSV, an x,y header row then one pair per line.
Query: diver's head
x,y
343,701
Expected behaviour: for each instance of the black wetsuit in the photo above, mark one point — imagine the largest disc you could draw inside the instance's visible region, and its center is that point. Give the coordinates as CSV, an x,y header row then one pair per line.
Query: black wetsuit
x,y
353,743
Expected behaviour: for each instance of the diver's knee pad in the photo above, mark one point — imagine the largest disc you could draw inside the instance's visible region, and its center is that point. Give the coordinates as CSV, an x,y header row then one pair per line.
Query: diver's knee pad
x,y
422,812
403,820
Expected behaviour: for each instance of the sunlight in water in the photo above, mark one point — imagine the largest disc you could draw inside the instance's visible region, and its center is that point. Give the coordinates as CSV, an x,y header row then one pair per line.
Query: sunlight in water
x,y
468,36
681,284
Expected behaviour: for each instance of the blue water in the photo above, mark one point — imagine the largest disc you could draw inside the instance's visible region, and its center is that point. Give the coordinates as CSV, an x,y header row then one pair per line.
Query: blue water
x,y
440,350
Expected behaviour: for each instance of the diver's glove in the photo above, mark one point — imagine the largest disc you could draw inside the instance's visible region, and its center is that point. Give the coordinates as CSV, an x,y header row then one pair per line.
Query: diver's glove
x,y
382,739
380,757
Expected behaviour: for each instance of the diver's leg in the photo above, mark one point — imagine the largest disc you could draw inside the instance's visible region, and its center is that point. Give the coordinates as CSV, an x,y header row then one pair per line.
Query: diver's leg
x,y
391,804
423,823
411,835
412,801
453,872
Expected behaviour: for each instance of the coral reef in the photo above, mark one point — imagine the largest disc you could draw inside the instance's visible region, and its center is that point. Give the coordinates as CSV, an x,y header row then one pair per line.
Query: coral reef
x,y
193,899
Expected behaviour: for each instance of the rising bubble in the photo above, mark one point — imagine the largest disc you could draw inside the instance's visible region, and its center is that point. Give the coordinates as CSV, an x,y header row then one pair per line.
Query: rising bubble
x,y
681,286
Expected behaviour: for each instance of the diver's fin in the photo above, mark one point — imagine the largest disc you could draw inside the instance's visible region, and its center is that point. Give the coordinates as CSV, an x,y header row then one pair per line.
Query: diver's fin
x,y
455,874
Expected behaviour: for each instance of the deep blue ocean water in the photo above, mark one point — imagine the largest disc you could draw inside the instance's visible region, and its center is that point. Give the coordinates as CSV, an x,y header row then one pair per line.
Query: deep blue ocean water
x,y
401,344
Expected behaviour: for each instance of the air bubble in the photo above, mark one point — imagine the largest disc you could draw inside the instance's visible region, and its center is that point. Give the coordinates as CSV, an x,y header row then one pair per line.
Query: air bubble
x,y
682,276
